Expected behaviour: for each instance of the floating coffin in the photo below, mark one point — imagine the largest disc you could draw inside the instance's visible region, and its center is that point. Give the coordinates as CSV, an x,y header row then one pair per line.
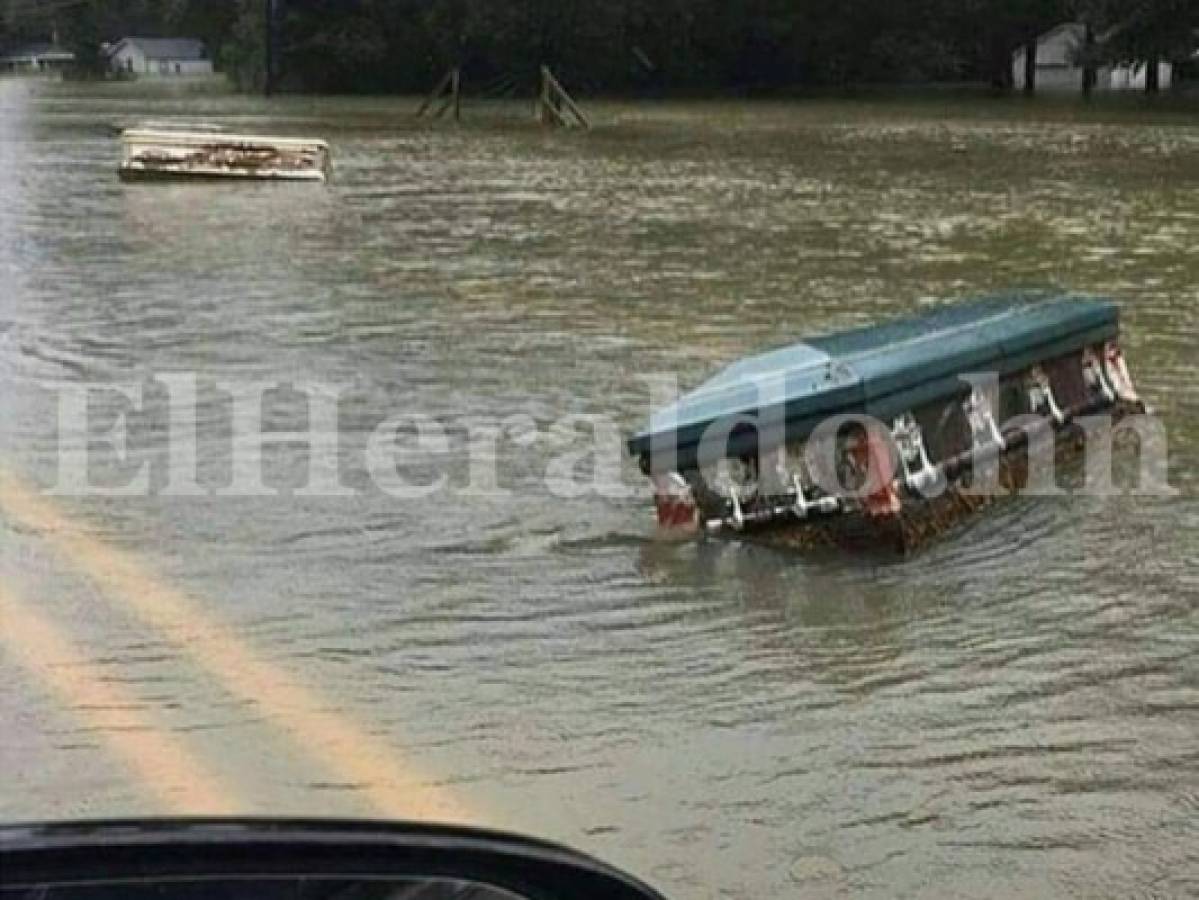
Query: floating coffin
x,y
149,155
765,445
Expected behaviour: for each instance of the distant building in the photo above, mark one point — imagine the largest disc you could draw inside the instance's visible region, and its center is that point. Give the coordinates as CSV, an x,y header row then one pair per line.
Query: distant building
x,y
36,59
1059,67
159,57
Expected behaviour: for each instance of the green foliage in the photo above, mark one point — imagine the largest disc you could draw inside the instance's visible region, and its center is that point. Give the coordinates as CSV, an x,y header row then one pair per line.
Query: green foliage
x,y
617,45
1140,29
242,52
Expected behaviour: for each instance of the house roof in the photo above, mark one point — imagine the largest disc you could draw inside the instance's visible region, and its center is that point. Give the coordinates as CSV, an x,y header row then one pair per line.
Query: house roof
x,y
1059,46
1075,30
42,50
164,48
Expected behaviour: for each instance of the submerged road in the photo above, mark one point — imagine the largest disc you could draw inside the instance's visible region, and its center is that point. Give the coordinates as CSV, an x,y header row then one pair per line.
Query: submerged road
x,y
1014,711
161,762
333,742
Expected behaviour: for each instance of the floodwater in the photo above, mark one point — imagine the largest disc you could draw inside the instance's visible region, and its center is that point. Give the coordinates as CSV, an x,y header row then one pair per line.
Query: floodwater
x,y
1014,711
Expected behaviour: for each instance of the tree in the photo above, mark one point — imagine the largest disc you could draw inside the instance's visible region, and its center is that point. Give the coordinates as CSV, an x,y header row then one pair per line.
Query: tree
x,y
1145,32
989,32
404,45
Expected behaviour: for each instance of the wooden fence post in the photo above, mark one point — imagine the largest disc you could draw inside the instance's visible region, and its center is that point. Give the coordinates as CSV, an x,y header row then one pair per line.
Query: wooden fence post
x,y
553,100
450,87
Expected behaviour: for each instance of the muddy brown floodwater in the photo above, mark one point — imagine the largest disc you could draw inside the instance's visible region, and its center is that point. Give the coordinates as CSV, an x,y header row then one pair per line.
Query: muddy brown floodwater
x,y
1013,712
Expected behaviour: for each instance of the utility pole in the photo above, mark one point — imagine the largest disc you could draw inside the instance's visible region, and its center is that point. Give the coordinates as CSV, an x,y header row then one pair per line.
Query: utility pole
x,y
268,85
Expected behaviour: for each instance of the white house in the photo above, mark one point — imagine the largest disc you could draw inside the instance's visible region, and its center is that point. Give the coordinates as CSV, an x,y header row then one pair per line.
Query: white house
x,y
1059,69
36,59
1131,77
159,57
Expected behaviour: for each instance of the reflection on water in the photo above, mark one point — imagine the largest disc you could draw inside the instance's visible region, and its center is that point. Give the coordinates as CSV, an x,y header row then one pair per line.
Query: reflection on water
x,y
1014,711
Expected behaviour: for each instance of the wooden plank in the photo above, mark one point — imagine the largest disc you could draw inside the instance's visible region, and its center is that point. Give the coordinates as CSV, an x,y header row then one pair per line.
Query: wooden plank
x,y
554,96
436,93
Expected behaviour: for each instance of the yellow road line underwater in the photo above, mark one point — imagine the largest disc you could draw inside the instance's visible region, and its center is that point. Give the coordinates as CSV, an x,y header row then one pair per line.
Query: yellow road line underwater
x,y
160,761
328,737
